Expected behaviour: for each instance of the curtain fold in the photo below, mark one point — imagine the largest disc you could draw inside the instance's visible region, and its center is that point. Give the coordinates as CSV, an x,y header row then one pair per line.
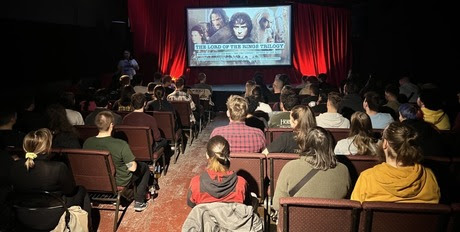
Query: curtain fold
x,y
321,42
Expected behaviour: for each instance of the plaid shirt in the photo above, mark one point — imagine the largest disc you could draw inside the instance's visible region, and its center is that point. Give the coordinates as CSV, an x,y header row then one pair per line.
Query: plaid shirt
x,y
241,138
178,95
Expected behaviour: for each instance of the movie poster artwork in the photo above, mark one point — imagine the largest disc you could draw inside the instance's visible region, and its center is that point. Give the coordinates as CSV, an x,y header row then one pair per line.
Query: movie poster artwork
x,y
239,36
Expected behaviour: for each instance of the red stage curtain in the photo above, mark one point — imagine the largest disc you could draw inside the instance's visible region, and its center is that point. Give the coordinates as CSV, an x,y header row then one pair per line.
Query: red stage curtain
x,y
321,42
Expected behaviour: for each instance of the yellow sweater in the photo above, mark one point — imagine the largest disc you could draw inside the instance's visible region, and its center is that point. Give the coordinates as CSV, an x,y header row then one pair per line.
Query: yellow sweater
x,y
434,117
383,182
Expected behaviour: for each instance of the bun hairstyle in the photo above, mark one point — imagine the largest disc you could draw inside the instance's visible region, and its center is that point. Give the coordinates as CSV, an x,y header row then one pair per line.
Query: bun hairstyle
x,y
402,141
36,143
218,151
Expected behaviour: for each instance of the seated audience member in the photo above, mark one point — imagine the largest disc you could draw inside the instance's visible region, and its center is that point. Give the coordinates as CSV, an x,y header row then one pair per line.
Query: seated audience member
x,y
371,105
159,103
391,95
127,169
167,84
330,179
266,93
157,78
137,84
310,80
102,104
180,95
29,118
241,138
428,138
323,85
124,102
332,119
202,84
139,118
321,104
401,178
277,86
303,83
360,140
312,98
88,104
409,89
430,103
67,99
280,119
302,119
9,137
252,120
64,134
37,172
248,87
218,183
262,106
220,193
351,101
150,95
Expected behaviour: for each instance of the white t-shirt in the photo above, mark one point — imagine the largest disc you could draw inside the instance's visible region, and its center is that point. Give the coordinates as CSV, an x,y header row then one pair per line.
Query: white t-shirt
x,y
346,147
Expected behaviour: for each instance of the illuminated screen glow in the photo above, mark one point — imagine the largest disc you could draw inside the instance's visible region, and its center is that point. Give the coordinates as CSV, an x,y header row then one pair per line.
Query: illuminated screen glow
x,y
239,36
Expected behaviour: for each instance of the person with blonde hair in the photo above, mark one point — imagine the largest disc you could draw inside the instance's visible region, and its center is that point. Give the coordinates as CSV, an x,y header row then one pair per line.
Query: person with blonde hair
x,y
38,173
328,177
401,178
241,138
302,119
360,139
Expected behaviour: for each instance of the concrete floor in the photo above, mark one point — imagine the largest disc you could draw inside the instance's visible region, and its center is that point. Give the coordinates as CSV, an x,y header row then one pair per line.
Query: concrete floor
x,y
169,209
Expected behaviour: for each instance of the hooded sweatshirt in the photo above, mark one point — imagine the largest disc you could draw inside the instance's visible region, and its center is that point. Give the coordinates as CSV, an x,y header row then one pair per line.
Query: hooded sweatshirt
x,y
438,117
332,120
213,186
410,184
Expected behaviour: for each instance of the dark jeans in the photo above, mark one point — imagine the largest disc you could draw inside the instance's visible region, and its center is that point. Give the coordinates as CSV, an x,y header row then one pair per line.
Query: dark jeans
x,y
141,179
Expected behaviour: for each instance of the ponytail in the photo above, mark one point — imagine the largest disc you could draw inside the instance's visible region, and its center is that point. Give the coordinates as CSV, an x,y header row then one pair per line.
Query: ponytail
x,y
218,151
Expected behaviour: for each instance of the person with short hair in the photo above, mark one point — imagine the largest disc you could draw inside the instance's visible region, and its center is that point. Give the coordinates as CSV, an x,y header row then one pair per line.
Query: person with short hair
x,y
371,105
332,179
102,104
127,169
401,178
332,119
288,99
360,140
9,137
202,82
180,95
242,138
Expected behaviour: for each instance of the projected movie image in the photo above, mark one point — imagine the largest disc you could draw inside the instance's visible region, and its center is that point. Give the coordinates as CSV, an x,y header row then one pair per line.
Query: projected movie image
x,y
239,36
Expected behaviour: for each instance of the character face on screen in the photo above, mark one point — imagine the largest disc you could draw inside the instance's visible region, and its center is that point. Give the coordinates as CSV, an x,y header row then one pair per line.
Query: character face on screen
x,y
197,35
241,25
265,23
218,18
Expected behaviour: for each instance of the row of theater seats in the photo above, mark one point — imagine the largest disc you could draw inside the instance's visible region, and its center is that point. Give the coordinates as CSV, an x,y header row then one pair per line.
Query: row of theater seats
x,y
450,139
139,137
261,172
299,214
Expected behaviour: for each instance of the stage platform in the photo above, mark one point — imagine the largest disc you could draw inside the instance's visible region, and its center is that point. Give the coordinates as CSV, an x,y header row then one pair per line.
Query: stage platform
x,y
220,93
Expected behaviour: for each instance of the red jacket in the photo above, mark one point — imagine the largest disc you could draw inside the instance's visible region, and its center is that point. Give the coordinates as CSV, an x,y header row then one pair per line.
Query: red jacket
x,y
213,186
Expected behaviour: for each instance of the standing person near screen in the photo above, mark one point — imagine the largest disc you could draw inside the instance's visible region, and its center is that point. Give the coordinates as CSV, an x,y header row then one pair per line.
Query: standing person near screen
x,y
128,65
